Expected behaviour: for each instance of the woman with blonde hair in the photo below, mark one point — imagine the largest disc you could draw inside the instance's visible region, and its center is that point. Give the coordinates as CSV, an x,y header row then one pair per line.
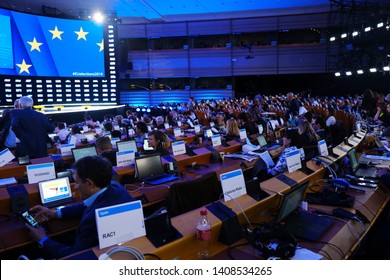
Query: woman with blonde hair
x,y
232,130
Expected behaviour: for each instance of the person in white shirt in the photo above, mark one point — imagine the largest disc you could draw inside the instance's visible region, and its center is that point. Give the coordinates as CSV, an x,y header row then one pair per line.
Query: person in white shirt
x,y
63,133
331,120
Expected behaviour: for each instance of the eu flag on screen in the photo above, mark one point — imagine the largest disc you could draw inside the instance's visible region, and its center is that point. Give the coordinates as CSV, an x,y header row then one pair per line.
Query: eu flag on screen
x,y
45,46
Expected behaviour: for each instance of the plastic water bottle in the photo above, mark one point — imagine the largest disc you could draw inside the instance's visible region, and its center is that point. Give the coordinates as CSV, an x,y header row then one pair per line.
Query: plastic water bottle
x,y
203,235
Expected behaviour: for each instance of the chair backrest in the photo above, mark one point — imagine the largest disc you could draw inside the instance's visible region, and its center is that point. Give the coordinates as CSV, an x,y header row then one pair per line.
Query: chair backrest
x,y
189,195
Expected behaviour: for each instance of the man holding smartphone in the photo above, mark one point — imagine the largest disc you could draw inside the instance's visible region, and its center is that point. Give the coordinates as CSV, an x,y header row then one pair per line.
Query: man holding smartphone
x,y
92,175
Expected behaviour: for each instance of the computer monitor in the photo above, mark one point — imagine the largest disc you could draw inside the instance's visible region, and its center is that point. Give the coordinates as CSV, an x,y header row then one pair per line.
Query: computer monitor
x,y
79,153
149,166
126,146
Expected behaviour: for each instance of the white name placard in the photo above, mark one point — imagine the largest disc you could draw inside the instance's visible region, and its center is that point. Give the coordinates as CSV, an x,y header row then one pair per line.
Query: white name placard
x,y
216,140
243,133
66,149
125,158
197,128
322,148
267,159
98,130
85,128
260,128
5,157
179,123
212,124
72,139
119,223
209,133
40,172
178,148
177,132
116,127
293,160
358,126
190,123
114,140
166,125
233,184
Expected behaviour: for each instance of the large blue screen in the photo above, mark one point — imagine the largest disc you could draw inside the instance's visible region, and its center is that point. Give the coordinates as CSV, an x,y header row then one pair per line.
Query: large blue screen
x,y
33,45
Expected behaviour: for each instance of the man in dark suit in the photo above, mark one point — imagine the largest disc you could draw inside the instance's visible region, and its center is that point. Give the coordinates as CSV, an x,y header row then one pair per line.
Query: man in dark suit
x,y
31,128
92,177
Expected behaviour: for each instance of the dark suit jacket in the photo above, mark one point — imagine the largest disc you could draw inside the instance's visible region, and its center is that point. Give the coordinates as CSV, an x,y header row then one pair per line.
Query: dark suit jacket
x,y
31,128
86,233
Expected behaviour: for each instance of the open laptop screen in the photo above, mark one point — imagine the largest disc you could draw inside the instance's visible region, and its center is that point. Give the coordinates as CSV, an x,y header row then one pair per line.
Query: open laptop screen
x,y
353,158
149,166
126,146
291,202
261,140
83,152
54,190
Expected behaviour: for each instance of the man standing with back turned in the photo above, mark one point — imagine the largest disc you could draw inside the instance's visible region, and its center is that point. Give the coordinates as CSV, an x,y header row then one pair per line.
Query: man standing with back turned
x,y
31,128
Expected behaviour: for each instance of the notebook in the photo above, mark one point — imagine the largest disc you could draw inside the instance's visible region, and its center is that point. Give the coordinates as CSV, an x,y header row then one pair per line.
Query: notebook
x,y
126,146
151,171
357,168
267,146
55,192
300,224
159,229
83,152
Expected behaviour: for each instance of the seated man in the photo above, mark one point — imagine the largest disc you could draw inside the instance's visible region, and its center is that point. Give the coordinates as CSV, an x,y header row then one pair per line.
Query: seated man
x,y
92,176
281,164
104,148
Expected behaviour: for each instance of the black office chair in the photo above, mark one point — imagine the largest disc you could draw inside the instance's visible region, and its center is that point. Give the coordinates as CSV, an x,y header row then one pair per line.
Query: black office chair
x,y
189,195
337,133
259,171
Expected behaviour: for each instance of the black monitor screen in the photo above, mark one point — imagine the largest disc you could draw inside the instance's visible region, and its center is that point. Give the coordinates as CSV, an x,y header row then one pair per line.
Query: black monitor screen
x,y
149,166
291,202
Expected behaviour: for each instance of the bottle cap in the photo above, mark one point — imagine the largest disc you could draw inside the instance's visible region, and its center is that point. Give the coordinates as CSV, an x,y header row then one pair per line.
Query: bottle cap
x,y
203,211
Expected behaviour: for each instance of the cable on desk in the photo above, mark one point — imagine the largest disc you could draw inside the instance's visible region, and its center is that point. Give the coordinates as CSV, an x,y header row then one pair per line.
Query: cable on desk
x,y
372,213
334,246
142,187
238,205
152,255
137,254
235,246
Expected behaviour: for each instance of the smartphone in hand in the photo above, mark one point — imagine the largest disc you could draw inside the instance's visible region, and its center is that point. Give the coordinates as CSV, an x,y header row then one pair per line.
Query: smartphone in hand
x,y
28,218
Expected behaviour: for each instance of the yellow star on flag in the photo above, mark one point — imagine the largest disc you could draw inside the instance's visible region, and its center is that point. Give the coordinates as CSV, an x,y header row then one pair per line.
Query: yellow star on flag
x,y
101,45
81,34
35,45
56,33
24,67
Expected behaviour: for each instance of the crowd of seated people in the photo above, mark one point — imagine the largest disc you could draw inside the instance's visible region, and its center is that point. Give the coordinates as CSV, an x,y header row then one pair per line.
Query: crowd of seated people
x,y
229,115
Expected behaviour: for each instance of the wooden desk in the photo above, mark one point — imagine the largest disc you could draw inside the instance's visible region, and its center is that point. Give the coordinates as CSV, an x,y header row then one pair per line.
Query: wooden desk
x,y
371,202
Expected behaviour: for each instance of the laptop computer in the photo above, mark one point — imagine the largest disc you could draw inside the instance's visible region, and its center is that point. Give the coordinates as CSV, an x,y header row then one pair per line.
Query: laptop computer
x,y
159,229
301,224
267,146
126,146
151,171
358,169
79,153
55,192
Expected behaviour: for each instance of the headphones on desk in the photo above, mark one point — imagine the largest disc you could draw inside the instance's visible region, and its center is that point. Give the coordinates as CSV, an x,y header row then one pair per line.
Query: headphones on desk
x,y
197,166
262,238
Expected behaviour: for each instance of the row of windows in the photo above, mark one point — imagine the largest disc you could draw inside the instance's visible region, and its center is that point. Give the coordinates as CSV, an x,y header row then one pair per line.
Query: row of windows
x,y
242,40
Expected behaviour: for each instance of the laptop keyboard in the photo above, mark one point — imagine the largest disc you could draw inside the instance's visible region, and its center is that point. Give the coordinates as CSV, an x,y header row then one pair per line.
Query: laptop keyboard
x,y
366,173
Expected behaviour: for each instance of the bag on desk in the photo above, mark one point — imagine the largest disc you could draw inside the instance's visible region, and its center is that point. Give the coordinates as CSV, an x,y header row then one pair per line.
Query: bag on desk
x,y
332,198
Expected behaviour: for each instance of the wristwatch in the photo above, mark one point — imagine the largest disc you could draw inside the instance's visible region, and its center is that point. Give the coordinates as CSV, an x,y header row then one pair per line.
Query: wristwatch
x,y
40,242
